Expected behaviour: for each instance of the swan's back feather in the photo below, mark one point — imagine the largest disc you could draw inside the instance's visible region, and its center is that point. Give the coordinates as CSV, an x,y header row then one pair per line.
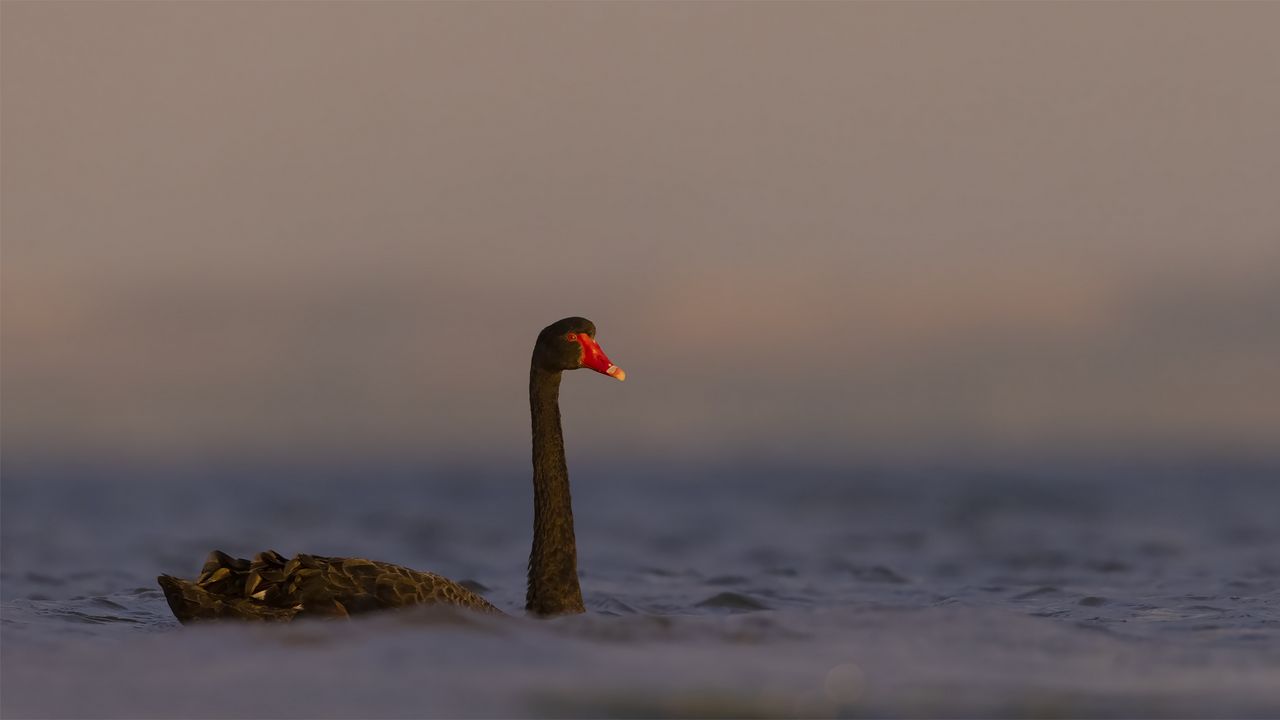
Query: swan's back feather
x,y
271,587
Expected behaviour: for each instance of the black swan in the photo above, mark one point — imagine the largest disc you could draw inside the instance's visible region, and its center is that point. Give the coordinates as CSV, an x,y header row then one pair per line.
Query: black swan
x,y
271,587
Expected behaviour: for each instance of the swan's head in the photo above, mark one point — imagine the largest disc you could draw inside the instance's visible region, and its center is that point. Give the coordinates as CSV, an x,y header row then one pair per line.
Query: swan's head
x,y
570,344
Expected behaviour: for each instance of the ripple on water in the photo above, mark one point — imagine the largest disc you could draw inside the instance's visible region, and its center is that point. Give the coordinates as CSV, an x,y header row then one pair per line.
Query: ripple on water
x,y
727,580
737,602
41,579
1038,592
474,586
878,574
79,616
609,605
875,573
1110,566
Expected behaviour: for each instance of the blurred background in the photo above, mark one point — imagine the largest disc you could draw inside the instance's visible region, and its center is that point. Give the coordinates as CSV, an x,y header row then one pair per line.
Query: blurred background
x,y
842,233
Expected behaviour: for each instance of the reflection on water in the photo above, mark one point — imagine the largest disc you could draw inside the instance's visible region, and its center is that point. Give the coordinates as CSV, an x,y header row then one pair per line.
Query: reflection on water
x,y
710,592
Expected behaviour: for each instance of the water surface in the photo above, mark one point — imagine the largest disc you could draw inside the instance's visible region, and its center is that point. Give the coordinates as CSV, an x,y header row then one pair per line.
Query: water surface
x,y
710,591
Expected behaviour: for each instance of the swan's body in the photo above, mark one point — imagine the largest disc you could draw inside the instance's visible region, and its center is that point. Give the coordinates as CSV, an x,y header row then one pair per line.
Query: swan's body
x,y
270,587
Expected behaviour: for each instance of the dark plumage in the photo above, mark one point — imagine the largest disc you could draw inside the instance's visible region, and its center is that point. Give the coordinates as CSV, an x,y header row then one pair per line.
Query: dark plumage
x,y
273,588
269,587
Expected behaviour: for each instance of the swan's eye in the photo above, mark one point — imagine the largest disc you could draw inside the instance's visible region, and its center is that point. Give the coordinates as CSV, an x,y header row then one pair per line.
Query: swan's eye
x,y
571,337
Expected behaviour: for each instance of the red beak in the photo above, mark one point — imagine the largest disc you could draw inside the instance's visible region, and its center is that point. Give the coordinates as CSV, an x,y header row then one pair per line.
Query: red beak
x,y
593,357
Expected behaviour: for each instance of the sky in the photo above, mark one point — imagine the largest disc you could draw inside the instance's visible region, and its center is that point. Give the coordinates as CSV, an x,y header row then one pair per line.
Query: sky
x,y
835,231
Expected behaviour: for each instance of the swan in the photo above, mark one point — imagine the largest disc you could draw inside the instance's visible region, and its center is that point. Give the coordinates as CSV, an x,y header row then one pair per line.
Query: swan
x,y
272,587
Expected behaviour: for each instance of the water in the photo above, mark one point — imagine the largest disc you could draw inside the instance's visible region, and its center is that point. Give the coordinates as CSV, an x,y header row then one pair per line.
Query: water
x,y
762,591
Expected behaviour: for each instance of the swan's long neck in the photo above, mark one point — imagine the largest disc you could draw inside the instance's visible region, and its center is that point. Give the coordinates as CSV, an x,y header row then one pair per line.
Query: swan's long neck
x,y
553,562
